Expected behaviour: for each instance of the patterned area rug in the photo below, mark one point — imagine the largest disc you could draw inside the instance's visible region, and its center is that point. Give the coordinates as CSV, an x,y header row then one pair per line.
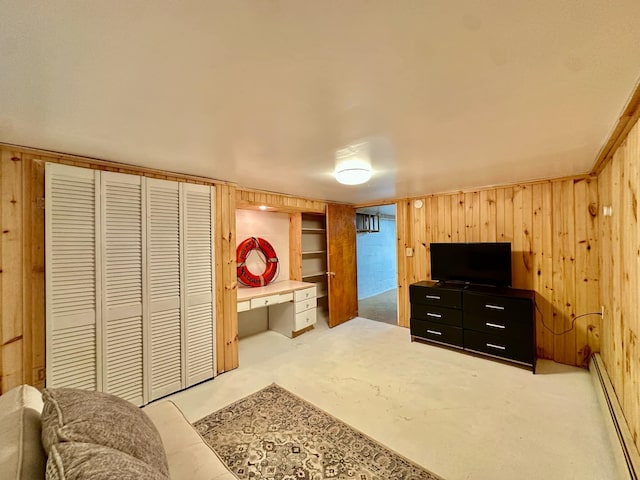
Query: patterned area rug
x,y
273,434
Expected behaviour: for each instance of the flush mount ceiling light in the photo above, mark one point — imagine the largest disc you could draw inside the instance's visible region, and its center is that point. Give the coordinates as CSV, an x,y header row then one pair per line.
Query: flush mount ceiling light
x,y
353,167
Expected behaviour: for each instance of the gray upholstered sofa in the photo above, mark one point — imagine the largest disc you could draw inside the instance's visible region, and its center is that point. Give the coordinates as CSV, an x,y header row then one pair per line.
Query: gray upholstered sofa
x,y
59,436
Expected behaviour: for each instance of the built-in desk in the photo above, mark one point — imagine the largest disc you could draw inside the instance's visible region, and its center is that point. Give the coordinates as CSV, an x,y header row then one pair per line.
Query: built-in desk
x,y
291,304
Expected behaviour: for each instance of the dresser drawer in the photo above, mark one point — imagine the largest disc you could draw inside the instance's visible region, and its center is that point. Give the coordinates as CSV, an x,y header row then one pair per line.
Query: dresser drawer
x,y
433,313
304,294
520,349
437,332
497,308
435,296
304,319
503,326
305,305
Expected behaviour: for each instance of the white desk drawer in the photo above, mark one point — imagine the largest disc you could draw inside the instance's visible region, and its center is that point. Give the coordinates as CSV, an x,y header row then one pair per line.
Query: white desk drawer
x,y
286,297
244,306
304,319
305,294
305,305
264,301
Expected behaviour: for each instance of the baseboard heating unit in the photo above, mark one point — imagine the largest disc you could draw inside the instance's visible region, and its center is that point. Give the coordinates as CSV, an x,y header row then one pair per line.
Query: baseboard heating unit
x,y
627,457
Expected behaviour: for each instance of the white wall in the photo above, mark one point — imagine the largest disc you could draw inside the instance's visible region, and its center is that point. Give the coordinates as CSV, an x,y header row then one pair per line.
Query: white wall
x,y
376,253
274,228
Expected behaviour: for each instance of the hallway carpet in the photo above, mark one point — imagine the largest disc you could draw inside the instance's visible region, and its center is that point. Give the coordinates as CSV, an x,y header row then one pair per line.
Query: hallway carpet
x,y
381,308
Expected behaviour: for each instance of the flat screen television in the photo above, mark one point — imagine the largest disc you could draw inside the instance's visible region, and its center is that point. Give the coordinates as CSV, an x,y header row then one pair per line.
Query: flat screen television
x,y
487,263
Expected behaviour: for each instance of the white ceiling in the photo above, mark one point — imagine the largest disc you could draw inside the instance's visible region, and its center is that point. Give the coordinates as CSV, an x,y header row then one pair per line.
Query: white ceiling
x,y
448,94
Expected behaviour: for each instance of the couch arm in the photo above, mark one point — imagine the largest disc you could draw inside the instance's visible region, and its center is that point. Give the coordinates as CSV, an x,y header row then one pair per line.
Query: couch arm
x,y
189,457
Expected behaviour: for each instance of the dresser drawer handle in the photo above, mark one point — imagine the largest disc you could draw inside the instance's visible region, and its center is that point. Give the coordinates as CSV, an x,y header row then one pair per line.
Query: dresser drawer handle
x,y
435,315
494,307
434,297
495,325
434,332
499,347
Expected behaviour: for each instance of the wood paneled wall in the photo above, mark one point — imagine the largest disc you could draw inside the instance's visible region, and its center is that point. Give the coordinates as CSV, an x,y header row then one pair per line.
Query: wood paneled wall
x,y
552,226
247,198
21,270
618,187
22,261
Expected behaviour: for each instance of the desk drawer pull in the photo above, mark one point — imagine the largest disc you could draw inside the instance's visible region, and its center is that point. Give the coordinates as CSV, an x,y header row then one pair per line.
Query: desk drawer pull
x,y
499,347
434,297
495,325
434,332
494,307
435,315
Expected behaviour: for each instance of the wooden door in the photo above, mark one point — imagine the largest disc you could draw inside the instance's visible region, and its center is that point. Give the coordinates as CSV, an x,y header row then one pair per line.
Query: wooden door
x,y
341,263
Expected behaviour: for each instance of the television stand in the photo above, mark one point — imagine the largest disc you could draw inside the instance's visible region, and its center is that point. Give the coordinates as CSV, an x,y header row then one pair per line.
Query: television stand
x,y
496,322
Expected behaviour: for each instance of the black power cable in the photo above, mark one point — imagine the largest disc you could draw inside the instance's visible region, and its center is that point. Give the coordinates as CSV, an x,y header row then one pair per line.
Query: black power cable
x,y
573,322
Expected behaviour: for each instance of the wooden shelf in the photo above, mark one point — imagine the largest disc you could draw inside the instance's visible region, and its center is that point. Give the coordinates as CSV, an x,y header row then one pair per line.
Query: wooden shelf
x,y
313,230
315,252
311,275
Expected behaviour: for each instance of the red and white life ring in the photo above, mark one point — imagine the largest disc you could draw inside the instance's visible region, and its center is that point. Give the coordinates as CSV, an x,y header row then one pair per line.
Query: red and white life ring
x,y
271,270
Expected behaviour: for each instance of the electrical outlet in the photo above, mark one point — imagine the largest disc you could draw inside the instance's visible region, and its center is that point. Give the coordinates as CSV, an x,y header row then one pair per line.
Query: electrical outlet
x,y
409,252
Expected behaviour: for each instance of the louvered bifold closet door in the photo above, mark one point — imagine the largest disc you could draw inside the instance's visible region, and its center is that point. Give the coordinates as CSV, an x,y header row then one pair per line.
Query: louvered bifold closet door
x,y
198,272
72,312
122,272
163,287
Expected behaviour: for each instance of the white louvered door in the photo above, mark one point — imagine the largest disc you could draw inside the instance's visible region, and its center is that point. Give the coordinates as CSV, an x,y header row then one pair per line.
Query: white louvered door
x,y
130,306
72,305
163,288
198,274
122,272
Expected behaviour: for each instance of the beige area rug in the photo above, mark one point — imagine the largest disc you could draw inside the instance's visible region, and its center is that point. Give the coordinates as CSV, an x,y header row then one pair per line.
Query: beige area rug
x,y
273,434
382,307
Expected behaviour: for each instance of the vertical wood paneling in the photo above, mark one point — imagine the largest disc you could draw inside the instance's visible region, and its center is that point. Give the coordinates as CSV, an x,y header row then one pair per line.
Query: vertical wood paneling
x,y
586,241
11,308
295,246
618,187
403,227
33,270
226,279
606,251
540,220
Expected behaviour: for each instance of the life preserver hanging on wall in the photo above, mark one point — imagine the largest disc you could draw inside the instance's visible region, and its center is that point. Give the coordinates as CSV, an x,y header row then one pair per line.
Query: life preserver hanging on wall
x,y
249,279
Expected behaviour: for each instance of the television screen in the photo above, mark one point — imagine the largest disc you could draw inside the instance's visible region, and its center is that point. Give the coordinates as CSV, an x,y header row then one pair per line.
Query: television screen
x,y
479,263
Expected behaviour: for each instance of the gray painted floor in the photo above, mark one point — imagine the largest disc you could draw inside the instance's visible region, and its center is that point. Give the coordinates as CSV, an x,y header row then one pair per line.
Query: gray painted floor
x,y
460,416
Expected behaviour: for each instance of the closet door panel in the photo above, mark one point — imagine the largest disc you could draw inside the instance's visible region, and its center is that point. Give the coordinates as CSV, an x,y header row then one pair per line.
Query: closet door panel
x,y
163,287
198,272
72,306
122,295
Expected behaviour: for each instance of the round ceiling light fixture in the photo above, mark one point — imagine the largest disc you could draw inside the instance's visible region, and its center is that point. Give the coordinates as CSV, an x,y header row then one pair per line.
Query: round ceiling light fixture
x,y
355,175
352,165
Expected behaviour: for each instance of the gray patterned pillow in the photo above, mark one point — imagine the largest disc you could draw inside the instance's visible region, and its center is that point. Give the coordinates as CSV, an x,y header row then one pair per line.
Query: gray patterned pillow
x,y
72,415
79,461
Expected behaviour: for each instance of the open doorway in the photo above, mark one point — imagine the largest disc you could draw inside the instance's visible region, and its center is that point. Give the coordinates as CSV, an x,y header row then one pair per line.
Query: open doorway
x,y
377,265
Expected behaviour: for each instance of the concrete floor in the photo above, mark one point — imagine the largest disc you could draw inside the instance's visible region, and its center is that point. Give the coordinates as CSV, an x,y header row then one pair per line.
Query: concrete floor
x,y
460,416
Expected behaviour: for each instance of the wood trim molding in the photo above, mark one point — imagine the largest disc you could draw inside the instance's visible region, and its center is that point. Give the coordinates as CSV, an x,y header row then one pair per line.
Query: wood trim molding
x,y
111,166
627,120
